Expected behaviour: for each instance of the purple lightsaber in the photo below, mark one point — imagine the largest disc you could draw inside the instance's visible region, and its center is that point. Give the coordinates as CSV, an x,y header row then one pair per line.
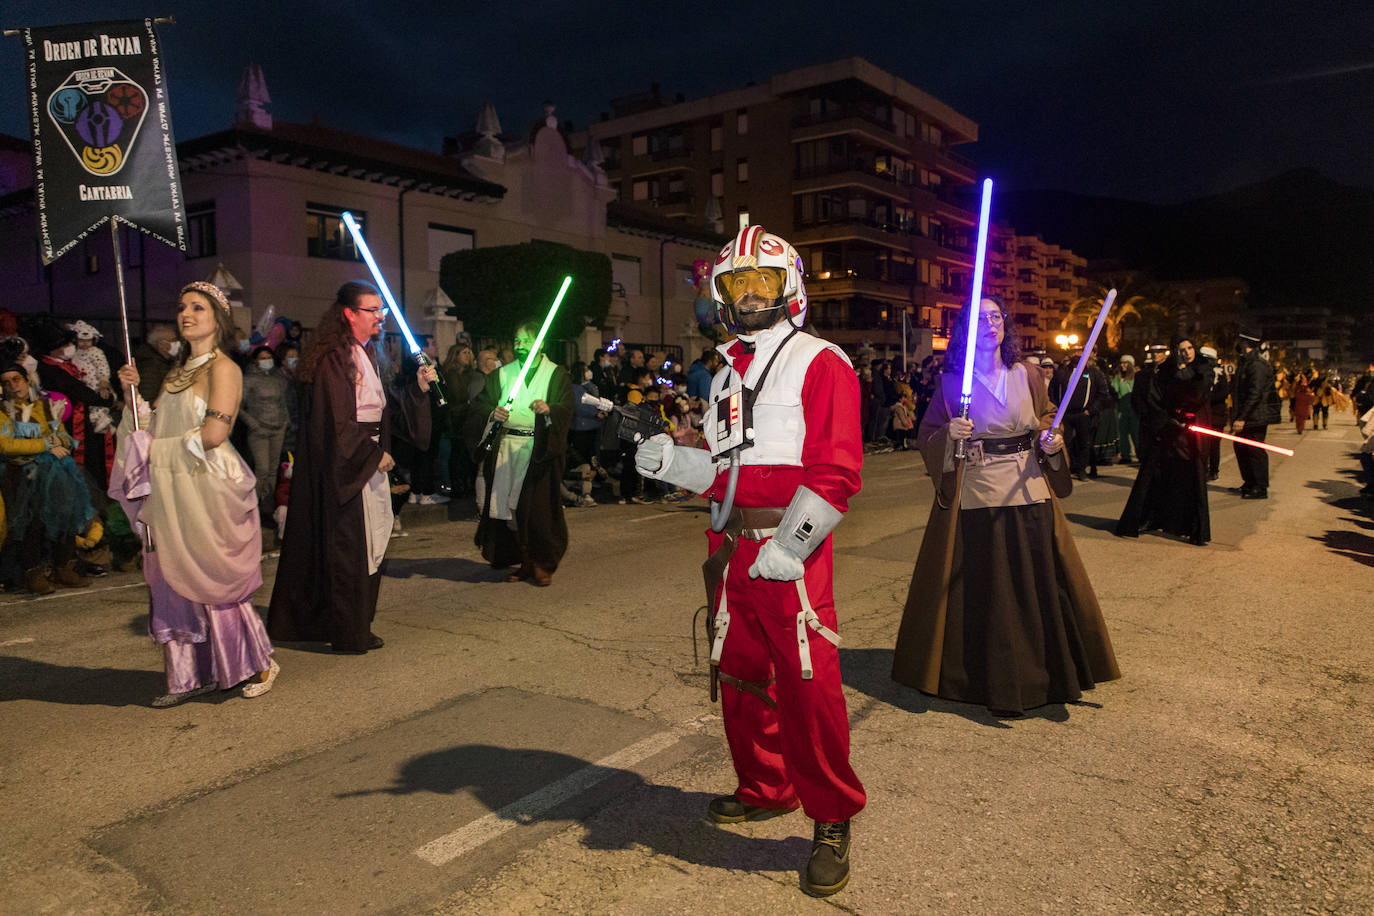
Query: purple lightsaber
x,y
1083,360
975,305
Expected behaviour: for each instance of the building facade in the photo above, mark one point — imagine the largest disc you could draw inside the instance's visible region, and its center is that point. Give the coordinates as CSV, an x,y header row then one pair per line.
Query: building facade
x,y
856,167
264,203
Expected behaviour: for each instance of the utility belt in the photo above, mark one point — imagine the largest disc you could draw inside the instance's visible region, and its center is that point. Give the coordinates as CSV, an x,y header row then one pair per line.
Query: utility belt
x,y
760,523
523,433
753,524
1012,445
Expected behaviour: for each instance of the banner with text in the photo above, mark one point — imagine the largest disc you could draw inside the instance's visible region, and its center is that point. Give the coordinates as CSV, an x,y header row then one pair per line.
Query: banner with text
x,y
102,133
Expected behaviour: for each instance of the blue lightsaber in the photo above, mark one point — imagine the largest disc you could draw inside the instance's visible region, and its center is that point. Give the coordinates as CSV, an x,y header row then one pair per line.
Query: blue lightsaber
x,y
975,306
391,305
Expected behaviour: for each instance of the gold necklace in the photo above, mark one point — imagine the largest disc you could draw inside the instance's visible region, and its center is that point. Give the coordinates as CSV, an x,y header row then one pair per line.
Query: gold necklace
x,y
183,377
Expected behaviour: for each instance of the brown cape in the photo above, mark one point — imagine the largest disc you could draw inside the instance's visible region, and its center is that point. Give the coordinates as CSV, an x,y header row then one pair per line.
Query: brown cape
x,y
921,638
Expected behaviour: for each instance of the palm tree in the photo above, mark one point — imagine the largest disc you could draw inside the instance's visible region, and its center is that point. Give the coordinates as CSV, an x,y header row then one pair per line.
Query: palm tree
x,y
1137,299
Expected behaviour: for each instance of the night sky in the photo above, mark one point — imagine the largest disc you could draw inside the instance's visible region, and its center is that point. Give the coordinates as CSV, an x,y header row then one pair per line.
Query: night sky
x,y
1151,100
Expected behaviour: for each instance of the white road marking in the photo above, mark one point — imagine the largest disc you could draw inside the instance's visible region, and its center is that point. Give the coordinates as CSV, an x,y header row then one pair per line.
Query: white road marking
x,y
74,594
16,642
525,810
646,518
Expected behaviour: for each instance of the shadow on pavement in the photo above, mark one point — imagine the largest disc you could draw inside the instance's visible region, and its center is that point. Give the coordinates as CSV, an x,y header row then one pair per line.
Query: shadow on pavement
x,y
1350,544
1095,522
869,671
665,819
26,679
452,569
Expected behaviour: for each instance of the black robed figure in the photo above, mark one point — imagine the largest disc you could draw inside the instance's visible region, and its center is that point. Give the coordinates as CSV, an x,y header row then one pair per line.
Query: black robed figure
x,y
324,591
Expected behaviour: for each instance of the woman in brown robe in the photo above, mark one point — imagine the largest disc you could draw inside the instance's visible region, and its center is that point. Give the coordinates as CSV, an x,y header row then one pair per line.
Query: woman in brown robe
x,y
1000,611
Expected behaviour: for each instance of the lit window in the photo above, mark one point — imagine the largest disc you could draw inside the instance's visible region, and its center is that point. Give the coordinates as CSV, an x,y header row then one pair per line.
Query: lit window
x,y
743,217
742,123
326,236
718,183
742,170
641,190
640,145
717,138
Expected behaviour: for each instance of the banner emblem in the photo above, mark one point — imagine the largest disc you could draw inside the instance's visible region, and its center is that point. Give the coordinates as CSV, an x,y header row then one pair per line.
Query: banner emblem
x,y
98,113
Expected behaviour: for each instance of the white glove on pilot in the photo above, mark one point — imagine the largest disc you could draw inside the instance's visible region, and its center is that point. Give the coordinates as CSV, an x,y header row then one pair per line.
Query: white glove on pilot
x,y
660,458
778,563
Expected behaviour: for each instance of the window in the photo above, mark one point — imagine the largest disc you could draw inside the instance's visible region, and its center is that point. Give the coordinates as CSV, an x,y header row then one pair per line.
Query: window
x,y
742,123
717,138
742,170
625,273
446,240
640,145
743,217
200,230
326,236
717,183
641,190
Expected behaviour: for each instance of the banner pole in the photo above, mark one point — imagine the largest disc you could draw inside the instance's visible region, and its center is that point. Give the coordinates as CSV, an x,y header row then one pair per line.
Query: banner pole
x,y
128,347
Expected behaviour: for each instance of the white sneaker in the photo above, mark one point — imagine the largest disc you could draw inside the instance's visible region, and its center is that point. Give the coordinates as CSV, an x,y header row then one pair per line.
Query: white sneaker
x,y
429,499
396,531
258,688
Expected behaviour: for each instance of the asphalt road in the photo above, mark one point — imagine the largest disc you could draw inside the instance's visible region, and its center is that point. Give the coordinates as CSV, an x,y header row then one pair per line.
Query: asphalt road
x,y
515,748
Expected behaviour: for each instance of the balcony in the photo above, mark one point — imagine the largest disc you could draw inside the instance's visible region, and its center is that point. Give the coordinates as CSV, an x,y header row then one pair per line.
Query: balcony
x,y
668,154
821,287
863,229
858,175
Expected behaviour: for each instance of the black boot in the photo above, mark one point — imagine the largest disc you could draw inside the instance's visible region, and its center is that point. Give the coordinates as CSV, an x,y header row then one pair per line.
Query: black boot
x,y
828,871
727,809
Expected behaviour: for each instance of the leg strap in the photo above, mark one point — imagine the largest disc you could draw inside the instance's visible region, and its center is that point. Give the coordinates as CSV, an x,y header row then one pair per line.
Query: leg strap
x,y
808,617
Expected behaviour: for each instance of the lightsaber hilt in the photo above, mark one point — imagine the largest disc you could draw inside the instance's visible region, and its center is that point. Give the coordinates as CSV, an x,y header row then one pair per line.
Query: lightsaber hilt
x,y
436,386
965,401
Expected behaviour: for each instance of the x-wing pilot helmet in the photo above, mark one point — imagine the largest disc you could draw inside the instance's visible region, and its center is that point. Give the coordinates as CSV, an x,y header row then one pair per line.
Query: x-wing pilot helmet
x,y
757,282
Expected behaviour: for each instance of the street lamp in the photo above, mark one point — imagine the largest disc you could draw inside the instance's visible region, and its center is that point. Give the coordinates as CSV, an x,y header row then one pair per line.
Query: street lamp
x,y
1066,340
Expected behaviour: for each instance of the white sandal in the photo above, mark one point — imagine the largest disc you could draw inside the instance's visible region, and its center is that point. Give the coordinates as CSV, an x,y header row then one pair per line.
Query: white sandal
x,y
258,688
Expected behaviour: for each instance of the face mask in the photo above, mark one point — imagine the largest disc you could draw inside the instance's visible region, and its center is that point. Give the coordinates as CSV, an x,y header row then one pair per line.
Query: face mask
x,y
291,362
605,364
587,376
68,351
174,348
265,364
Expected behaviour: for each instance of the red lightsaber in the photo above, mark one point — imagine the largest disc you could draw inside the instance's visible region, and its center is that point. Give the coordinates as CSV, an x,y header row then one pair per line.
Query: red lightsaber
x,y
1251,442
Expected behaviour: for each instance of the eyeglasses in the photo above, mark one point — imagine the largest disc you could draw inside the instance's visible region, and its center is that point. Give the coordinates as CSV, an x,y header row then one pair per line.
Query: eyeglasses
x,y
991,318
380,311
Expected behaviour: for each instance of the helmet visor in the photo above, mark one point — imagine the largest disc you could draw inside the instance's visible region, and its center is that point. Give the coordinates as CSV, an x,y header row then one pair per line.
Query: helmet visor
x,y
767,282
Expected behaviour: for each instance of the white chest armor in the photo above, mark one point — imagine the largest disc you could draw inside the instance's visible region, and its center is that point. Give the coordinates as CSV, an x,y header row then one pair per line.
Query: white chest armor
x,y
779,422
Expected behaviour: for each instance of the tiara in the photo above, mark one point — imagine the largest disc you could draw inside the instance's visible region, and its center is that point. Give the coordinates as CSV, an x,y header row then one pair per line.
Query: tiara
x,y
209,289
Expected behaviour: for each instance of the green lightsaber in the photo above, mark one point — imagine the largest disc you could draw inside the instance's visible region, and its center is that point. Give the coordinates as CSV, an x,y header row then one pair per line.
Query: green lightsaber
x,y
494,427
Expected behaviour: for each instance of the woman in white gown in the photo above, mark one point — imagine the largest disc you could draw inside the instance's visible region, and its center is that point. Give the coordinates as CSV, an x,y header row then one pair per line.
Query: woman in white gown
x,y
180,478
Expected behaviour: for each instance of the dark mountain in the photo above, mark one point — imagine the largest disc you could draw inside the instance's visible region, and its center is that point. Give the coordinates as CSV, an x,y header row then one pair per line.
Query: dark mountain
x,y
1299,239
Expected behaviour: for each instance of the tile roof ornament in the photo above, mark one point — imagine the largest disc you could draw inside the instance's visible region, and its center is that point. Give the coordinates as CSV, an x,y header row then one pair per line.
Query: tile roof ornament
x,y
252,96
489,126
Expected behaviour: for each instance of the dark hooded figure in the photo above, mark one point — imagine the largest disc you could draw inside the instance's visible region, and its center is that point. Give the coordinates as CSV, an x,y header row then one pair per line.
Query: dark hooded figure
x,y
339,519
1170,491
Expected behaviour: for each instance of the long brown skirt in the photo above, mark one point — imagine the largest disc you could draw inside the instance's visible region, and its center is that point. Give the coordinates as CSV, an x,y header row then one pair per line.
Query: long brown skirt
x,y
1011,639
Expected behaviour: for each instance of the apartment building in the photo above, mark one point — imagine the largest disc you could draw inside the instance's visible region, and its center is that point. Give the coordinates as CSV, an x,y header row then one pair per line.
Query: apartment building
x,y
855,166
1039,281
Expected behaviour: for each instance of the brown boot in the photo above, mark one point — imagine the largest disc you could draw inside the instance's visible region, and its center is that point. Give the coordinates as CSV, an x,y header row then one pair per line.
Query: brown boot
x,y
36,581
66,576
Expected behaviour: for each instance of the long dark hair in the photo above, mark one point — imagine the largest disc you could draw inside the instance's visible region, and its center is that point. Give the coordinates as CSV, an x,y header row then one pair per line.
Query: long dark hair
x,y
334,332
1010,351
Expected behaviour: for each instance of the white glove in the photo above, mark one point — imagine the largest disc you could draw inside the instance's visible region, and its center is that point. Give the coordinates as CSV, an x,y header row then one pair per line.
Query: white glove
x,y
777,563
654,455
660,458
